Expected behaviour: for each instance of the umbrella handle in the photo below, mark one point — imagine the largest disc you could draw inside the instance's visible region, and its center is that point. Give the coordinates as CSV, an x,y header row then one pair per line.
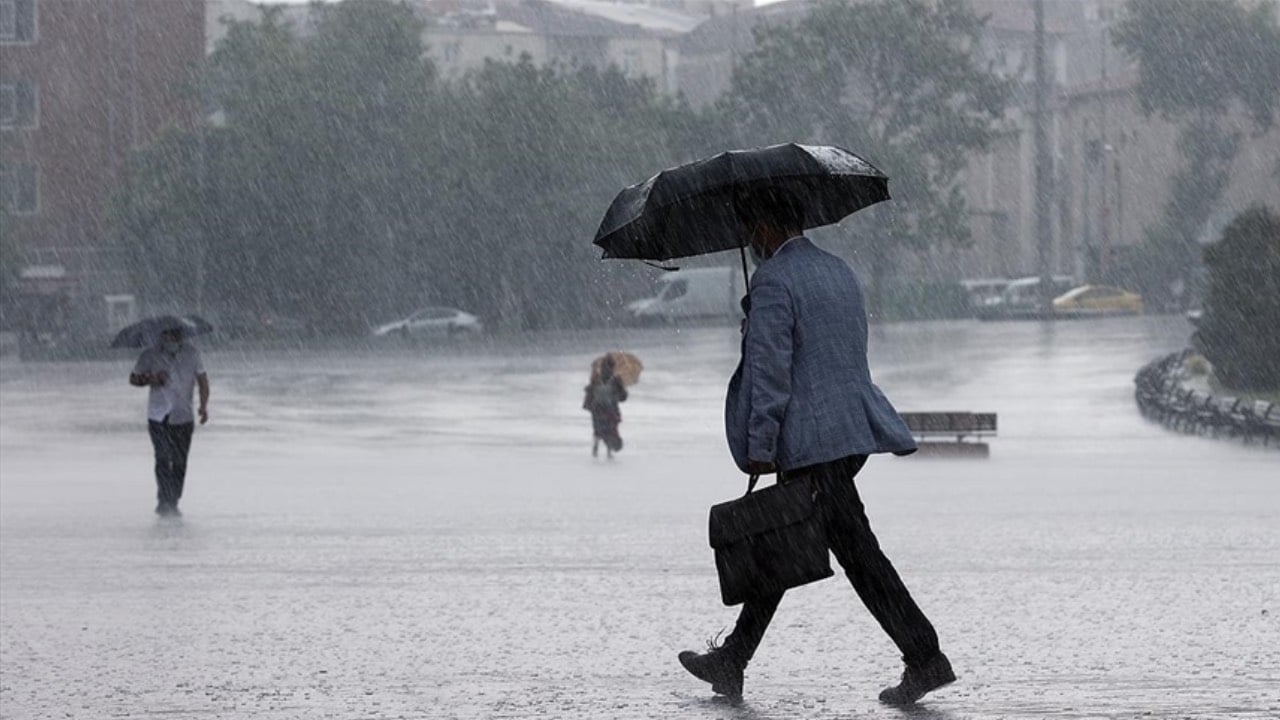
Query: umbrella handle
x,y
746,285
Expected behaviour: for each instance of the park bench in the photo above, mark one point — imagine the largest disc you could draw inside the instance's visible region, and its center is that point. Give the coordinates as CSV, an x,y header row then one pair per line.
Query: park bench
x,y
1180,409
949,433
1236,413
1205,415
1263,421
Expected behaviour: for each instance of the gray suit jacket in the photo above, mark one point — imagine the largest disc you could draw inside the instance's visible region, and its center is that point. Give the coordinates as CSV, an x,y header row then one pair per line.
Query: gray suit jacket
x,y
802,393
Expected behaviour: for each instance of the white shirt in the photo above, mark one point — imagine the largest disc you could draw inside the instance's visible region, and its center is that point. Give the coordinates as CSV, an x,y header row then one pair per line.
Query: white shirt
x,y
173,399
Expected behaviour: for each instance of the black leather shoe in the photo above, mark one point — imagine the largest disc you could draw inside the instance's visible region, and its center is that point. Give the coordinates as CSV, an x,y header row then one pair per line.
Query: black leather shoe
x,y
917,681
724,674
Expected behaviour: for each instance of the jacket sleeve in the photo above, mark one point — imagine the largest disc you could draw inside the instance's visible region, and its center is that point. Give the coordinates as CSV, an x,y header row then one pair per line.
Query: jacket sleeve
x,y
767,352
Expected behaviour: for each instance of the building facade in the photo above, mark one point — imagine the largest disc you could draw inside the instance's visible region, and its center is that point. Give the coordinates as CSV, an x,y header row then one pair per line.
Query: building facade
x,y
83,83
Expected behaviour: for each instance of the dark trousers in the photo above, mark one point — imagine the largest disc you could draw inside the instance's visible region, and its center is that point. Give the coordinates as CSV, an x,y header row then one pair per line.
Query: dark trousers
x,y
171,443
856,549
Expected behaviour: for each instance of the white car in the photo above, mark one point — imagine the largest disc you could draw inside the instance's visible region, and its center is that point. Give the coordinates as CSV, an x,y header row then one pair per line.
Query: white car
x,y
432,321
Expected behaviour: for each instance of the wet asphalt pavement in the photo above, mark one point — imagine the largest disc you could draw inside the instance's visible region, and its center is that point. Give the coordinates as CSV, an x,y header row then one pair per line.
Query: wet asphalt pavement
x,y
417,533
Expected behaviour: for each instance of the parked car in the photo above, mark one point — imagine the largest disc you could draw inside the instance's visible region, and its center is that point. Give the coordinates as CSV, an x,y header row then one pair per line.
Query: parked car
x,y
695,293
1095,300
432,321
1020,299
982,291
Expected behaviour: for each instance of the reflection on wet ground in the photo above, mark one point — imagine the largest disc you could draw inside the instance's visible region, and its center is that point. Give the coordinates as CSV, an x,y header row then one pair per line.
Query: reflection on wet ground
x,y
422,533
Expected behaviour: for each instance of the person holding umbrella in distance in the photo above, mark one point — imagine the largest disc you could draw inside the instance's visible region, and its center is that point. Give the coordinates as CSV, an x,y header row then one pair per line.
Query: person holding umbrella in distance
x,y
801,402
171,368
611,373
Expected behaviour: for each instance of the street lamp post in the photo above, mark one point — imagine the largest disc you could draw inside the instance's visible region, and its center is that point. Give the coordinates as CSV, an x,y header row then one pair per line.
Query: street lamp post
x,y
1043,168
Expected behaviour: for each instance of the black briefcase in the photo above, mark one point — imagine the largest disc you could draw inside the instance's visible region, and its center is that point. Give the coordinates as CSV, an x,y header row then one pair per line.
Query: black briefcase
x,y
768,541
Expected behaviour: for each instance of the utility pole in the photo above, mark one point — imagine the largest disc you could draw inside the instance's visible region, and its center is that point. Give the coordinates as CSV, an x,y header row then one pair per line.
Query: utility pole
x,y
1043,162
1104,254
203,195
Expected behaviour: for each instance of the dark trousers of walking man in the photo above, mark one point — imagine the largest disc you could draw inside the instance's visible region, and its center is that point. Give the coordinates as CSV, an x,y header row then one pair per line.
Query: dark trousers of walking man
x,y
171,443
855,546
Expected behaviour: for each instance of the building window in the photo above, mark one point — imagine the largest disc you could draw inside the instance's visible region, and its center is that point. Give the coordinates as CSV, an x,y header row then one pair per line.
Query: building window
x,y
631,62
18,104
121,311
17,21
20,189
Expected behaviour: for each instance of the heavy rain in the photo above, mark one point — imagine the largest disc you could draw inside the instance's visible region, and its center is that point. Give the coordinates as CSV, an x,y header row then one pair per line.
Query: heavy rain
x,y
387,358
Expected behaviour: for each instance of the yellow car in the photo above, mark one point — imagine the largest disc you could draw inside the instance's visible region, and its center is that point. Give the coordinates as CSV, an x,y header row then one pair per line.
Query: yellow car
x,y
1090,300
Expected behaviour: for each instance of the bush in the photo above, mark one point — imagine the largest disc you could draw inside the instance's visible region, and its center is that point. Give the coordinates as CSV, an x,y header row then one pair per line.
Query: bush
x,y
1240,330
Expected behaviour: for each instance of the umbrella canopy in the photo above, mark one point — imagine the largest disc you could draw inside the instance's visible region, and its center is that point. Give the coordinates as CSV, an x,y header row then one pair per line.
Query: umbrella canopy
x,y
146,332
689,210
626,367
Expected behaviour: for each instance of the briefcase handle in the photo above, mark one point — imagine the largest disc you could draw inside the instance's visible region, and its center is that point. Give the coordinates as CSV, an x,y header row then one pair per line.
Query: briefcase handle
x,y
783,478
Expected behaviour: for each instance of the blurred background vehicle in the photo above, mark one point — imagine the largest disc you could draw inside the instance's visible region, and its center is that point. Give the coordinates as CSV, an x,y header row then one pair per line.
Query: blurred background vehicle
x,y
432,321
692,294
1097,300
981,291
1021,299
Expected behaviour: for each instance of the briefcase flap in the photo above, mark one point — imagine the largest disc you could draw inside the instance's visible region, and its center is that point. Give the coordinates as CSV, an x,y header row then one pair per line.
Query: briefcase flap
x,y
776,506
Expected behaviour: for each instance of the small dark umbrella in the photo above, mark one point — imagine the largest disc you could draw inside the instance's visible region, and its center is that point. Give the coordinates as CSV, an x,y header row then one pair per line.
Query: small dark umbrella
x,y
689,210
146,332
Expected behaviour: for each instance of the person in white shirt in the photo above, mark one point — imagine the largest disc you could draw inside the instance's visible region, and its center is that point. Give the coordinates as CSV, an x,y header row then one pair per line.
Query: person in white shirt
x,y
172,369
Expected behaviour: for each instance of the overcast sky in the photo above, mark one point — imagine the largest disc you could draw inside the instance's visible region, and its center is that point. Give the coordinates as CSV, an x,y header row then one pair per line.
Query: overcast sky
x,y
299,2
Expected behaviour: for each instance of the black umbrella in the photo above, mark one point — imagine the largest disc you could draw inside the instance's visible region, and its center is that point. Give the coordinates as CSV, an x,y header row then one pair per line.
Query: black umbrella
x,y
146,332
689,210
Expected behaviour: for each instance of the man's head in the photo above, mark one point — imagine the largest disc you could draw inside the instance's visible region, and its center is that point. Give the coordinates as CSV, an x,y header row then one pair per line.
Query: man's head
x,y
769,217
171,339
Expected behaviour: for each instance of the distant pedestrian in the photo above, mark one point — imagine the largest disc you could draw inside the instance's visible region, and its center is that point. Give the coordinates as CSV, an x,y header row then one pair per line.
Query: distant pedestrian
x,y
802,405
603,394
172,369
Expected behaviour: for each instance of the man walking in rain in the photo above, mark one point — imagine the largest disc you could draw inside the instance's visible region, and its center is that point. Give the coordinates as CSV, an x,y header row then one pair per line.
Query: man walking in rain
x,y
172,368
802,404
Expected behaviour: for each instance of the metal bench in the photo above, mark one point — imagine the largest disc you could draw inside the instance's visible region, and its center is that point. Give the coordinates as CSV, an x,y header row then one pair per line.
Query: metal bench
x,y
1205,415
1236,414
1263,421
930,429
1180,409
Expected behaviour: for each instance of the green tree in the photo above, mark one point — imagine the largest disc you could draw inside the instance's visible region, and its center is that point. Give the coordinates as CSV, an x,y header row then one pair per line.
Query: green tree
x,y
1240,330
1199,61
348,182
543,153
898,81
308,197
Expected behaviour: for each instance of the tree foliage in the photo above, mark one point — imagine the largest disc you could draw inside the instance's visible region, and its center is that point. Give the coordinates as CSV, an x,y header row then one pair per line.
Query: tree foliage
x,y
347,183
1198,62
1198,57
1240,330
897,81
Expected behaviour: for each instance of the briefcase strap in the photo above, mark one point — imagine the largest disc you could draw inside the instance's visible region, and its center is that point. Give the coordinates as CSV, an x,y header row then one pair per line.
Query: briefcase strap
x,y
783,479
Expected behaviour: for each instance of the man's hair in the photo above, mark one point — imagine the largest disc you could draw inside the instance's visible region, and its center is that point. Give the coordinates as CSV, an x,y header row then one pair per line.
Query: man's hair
x,y
771,205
